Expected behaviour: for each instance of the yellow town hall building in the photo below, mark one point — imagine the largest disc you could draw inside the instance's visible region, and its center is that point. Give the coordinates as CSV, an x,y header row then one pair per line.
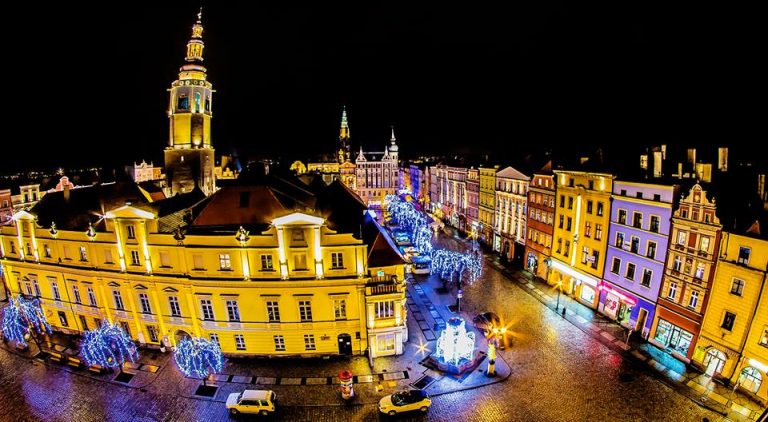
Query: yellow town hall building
x,y
265,266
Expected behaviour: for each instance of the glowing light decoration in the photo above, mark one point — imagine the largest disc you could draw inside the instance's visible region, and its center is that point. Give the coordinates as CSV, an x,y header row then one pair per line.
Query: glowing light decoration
x,y
108,346
198,357
22,316
455,345
468,265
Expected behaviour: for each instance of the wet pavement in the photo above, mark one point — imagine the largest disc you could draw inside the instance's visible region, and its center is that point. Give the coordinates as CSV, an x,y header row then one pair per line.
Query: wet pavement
x,y
558,372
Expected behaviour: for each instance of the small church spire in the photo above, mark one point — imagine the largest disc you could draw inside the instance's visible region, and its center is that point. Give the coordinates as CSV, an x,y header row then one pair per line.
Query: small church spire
x,y
344,153
393,141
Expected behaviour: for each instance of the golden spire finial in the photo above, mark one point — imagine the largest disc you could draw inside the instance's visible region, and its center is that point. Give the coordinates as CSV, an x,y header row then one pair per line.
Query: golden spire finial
x,y
200,15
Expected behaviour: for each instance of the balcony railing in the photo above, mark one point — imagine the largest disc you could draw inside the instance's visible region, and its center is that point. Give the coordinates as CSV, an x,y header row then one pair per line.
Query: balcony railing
x,y
384,289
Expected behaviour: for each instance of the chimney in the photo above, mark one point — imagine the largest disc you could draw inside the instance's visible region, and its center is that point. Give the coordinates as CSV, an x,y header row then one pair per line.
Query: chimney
x,y
66,192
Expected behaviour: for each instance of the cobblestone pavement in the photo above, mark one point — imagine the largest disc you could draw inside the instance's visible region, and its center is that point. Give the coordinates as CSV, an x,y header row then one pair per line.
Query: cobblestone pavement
x,y
558,373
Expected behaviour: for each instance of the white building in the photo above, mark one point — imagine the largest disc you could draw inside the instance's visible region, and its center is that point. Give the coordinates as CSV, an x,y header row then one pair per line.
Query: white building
x,y
377,178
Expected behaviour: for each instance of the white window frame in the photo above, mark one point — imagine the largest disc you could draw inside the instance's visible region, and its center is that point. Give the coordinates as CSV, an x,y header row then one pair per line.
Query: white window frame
x,y
233,311
91,297
225,262
174,306
279,342
385,309
309,342
340,309
273,311
146,307
305,310
337,260
206,307
239,342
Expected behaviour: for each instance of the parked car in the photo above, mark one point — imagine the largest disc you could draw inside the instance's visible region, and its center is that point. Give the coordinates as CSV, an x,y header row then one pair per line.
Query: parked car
x,y
405,401
261,402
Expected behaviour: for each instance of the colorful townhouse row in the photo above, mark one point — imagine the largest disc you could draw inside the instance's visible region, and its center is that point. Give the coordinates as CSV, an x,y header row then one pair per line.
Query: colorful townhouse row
x,y
653,257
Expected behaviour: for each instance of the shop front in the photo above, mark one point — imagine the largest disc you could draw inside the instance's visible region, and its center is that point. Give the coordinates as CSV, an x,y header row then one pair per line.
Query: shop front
x,y
675,334
581,286
627,309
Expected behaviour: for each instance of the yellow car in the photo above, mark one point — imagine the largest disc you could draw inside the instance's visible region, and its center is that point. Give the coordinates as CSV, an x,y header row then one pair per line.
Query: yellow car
x,y
262,402
405,401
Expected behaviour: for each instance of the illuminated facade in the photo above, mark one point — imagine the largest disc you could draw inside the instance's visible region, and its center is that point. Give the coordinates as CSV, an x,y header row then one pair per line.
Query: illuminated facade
x,y
248,272
733,343
377,178
487,205
511,208
582,214
144,172
541,217
343,154
189,157
688,275
473,203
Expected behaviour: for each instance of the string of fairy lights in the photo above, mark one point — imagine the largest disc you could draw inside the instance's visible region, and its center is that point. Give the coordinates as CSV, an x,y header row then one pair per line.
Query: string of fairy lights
x,y
23,316
108,346
198,357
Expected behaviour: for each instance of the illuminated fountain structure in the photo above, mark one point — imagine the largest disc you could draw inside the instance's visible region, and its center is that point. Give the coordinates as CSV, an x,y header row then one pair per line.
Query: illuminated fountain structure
x,y
455,349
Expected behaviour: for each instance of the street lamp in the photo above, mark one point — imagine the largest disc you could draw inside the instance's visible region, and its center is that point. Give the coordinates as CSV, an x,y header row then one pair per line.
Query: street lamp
x,y
559,288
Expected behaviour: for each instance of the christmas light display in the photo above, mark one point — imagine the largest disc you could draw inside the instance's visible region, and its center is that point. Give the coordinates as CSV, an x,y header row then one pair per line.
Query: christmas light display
x,y
20,317
455,345
198,357
468,265
107,346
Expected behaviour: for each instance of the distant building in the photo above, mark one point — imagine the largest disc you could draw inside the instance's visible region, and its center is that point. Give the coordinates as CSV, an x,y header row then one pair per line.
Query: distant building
x,y
6,206
144,172
27,197
541,217
473,203
511,209
376,175
229,168
487,206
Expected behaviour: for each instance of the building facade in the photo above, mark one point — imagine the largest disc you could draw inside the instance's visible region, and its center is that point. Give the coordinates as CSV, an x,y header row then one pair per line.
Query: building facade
x,y
511,203
6,206
189,157
377,178
581,222
144,172
293,283
732,344
473,202
541,217
487,206
637,240
690,268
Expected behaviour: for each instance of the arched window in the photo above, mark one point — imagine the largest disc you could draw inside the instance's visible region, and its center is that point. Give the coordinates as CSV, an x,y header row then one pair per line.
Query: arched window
x,y
207,103
750,379
183,102
197,102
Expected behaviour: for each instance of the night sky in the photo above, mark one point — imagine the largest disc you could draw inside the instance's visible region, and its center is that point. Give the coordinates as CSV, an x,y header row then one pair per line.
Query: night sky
x,y
87,85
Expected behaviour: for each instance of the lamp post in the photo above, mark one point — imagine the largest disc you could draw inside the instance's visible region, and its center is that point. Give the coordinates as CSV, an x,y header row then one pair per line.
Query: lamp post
x,y
559,288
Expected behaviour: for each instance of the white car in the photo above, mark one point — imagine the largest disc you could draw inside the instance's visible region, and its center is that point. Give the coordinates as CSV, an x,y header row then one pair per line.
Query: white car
x,y
405,401
262,402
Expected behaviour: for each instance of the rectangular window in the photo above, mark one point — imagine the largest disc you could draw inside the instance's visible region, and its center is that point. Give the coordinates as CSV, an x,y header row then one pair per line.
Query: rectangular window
x,y
699,274
654,224
570,182
562,201
385,309
233,312
672,291
591,185
266,263
152,330
744,253
589,207
13,246
173,303
764,338
118,300
619,240
108,256
279,343
600,208
135,258
562,219
207,307
728,321
47,250
616,265
215,339
588,229
56,293
144,303
337,260
273,311
595,258
37,288
239,342
91,297
83,254
305,310
651,253
76,293
677,264
567,248
131,230
126,328
340,309
635,245
63,319
559,245
694,300
598,231
737,287
647,274
704,244
568,224
681,238
300,262
197,262
386,342
84,323
309,342
224,262
637,220
584,255
630,271
570,202
165,259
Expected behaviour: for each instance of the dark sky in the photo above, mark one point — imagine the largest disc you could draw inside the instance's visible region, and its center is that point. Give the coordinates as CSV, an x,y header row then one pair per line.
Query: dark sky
x,y
87,84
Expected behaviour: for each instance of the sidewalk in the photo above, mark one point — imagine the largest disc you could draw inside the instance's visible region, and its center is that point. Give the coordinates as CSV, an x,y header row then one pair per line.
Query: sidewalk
x,y
698,387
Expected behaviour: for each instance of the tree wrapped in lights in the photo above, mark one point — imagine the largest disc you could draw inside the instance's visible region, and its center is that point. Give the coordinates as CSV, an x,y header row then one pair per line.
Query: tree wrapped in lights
x,y
108,346
198,357
23,318
422,240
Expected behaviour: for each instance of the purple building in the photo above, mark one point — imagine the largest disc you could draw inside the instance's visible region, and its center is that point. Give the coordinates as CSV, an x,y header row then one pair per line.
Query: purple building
x,y
637,244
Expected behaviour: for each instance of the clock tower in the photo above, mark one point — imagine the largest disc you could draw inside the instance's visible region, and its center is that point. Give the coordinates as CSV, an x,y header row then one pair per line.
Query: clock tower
x,y
189,156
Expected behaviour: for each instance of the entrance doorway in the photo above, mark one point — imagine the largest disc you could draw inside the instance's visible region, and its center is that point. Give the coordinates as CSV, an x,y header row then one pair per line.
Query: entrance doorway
x,y
180,335
533,263
345,344
714,362
505,251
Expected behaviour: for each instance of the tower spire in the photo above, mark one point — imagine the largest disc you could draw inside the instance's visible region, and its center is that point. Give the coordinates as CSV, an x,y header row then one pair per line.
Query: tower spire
x,y
393,142
195,45
344,153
